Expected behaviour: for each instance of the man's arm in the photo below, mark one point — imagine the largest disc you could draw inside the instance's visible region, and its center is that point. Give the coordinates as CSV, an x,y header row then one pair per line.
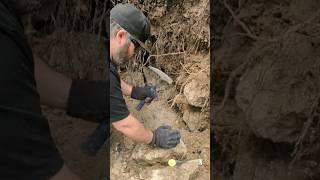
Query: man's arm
x,y
53,87
85,99
126,88
134,130
163,136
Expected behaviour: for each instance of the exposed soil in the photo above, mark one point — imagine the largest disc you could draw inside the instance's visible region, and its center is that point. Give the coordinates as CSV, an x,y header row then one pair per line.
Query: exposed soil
x,y
266,89
180,39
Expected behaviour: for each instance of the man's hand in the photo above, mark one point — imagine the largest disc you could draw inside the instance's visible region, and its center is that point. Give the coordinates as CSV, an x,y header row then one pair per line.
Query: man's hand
x,y
166,137
141,93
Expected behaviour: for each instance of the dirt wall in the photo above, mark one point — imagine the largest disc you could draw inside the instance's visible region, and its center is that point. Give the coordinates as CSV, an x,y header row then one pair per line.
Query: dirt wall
x,y
267,73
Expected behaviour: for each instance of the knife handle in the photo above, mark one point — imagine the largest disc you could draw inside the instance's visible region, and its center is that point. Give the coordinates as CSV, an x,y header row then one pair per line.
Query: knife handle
x,y
140,105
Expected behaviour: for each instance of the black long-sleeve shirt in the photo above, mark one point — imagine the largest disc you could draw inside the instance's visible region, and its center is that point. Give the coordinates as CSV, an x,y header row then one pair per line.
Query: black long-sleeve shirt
x,y
27,150
118,107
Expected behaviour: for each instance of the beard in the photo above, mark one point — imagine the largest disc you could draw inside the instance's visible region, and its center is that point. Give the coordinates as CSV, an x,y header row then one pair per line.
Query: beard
x,y
121,56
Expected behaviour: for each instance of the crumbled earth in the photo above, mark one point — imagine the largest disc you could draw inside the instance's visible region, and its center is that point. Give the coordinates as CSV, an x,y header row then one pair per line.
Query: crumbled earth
x,y
180,43
266,71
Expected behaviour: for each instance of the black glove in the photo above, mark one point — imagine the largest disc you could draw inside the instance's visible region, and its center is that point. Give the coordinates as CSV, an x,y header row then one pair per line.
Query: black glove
x,y
88,100
141,93
166,137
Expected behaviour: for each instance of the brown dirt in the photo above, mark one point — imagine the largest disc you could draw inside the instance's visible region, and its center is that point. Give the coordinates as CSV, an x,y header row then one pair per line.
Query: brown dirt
x,y
266,72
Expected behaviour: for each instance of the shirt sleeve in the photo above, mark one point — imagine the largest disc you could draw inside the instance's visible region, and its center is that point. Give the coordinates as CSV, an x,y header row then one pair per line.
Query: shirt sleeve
x,y
118,106
27,148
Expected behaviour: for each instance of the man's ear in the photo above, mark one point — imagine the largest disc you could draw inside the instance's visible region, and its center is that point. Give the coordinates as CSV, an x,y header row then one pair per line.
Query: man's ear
x,y
121,36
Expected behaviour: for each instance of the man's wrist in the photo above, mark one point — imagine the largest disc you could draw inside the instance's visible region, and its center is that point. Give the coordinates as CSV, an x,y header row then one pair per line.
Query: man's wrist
x,y
130,90
134,92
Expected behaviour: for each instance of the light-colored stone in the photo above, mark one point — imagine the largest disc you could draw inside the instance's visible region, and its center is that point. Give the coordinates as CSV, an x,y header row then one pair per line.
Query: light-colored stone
x,y
196,93
145,154
187,170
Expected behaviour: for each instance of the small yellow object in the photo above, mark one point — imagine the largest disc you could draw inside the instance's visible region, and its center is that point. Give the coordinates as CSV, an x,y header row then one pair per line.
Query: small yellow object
x,y
172,162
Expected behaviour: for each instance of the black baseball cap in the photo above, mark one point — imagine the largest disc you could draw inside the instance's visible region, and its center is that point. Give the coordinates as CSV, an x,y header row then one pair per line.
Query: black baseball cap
x,y
133,21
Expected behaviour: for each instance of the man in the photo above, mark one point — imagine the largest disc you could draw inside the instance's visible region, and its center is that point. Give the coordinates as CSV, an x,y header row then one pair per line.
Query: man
x,y
129,28
27,150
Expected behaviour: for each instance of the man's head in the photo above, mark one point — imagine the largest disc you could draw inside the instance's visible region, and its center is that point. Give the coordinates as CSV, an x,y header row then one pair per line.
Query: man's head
x,y
129,29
